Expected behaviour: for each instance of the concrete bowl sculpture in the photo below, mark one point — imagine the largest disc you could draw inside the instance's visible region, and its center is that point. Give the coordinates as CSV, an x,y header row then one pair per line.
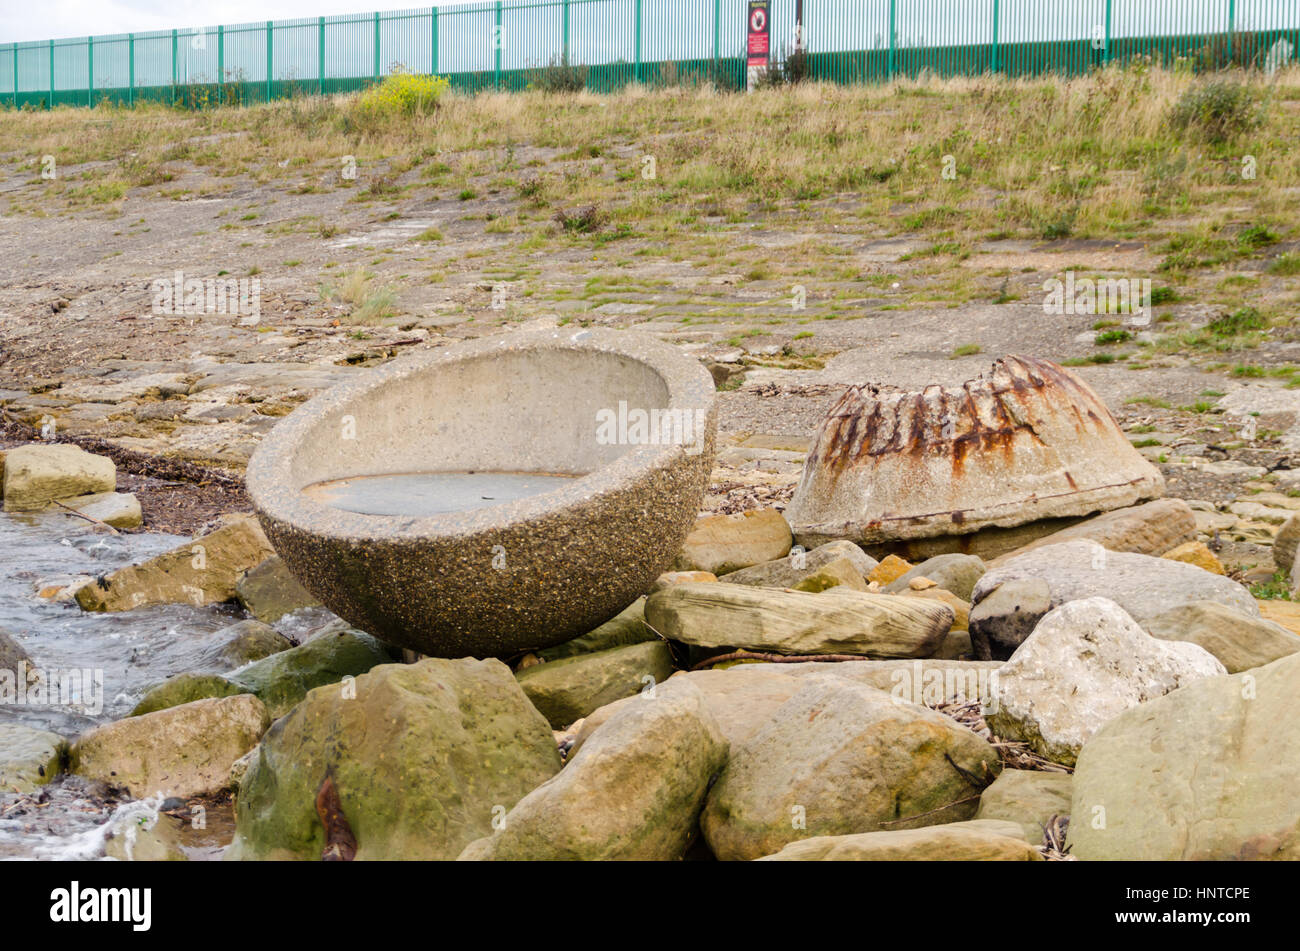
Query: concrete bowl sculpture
x,y
494,496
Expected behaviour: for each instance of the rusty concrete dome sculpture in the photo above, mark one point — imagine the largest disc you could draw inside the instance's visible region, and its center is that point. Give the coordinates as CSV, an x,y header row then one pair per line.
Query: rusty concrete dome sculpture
x,y
493,496
1028,440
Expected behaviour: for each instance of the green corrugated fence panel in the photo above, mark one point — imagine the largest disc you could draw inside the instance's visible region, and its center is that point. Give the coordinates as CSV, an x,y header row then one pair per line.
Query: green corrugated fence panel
x,y
611,43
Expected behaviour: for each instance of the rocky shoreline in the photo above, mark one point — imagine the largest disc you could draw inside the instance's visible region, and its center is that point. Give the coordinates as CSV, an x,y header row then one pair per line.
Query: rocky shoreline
x,y
764,700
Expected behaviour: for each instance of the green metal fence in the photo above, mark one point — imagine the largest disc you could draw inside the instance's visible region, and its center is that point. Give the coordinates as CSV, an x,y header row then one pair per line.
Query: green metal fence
x,y
510,44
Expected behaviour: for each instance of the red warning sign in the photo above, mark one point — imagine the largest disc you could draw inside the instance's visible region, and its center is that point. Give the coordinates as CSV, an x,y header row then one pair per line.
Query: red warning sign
x,y
759,45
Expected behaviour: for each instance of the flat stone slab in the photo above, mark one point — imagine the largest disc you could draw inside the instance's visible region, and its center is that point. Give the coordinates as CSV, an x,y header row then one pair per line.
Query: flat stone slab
x,y
36,475
1011,598
838,620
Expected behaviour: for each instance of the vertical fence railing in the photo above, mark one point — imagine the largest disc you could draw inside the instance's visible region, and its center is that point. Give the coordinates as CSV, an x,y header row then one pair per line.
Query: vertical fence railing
x,y
510,44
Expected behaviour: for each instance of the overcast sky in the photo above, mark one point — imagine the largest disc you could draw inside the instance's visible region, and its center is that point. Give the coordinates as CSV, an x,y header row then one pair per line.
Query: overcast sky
x,y
53,19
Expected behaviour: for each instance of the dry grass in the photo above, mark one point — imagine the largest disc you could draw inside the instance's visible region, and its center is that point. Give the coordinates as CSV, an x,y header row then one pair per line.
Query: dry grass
x,y
1089,157
366,300
682,174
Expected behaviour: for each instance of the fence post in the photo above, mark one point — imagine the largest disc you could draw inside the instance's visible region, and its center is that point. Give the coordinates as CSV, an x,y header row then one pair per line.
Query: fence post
x,y
996,10
51,105
1232,30
320,59
14,48
221,62
90,71
270,46
174,74
1106,52
496,43
433,65
130,59
566,33
636,73
893,33
717,39
376,46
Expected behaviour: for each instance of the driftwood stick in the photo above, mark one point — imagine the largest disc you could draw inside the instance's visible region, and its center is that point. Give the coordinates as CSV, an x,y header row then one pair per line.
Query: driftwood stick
x,y
779,658
88,518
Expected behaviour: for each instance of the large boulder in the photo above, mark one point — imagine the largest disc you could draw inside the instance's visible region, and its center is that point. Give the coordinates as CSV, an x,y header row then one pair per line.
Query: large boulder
x,y
1026,442
568,689
739,699
283,679
793,568
421,759
1047,577
634,790
28,757
203,571
1204,773
840,758
744,697
976,840
955,573
185,688
723,543
1239,642
1029,798
1085,663
1149,529
180,751
36,475
795,622
930,682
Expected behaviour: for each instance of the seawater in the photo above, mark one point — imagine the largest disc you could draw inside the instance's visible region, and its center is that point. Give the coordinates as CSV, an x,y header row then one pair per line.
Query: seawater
x,y
130,650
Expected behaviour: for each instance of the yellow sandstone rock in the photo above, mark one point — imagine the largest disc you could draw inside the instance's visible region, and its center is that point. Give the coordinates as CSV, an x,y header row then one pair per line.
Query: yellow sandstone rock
x,y
1195,553
722,543
833,574
670,578
1286,613
960,608
888,570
